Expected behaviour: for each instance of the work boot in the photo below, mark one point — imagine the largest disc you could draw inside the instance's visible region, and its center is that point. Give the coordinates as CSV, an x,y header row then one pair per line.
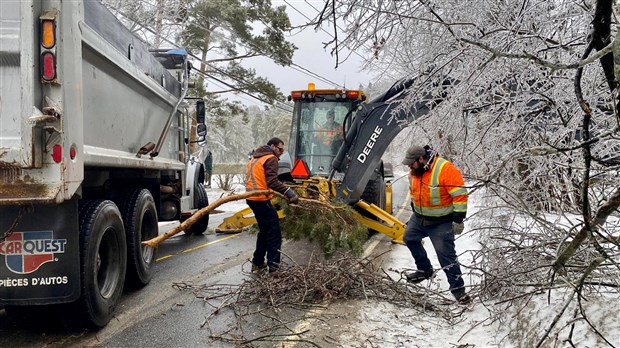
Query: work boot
x,y
274,269
419,276
258,268
462,298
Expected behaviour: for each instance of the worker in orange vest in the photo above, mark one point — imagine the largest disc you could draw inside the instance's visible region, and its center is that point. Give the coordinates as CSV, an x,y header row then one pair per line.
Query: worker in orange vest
x,y
262,174
330,131
439,201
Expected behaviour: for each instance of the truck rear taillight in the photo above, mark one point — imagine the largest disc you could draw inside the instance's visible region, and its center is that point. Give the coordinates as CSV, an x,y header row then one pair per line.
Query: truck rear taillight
x,y
48,66
48,45
57,153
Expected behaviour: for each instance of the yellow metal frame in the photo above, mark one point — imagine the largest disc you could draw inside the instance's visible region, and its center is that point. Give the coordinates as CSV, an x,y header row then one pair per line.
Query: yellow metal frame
x,y
386,223
236,222
388,197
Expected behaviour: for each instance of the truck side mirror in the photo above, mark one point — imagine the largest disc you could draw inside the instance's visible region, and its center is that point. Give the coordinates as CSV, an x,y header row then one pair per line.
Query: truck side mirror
x,y
201,127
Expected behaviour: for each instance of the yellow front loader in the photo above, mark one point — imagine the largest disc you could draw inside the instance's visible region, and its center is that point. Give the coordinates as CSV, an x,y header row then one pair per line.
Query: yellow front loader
x,y
369,214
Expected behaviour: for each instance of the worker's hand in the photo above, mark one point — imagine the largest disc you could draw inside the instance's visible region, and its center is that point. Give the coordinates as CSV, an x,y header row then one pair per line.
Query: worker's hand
x,y
458,217
458,228
291,196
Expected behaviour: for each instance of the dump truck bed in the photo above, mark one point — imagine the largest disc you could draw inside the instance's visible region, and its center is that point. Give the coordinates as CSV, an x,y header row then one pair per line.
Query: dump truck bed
x,y
110,98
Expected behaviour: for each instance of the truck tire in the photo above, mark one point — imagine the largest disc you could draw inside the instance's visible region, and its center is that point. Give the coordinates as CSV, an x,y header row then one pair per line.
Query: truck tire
x,y
201,200
103,260
140,220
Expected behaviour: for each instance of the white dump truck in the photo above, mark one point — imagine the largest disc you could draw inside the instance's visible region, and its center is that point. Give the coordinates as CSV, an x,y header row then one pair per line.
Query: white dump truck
x,y
97,145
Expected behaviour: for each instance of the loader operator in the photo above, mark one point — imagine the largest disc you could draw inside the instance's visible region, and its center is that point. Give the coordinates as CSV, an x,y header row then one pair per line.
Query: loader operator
x,y
262,174
439,199
330,133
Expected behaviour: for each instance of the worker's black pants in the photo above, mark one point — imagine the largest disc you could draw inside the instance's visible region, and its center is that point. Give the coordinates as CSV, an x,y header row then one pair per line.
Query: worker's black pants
x,y
269,239
440,234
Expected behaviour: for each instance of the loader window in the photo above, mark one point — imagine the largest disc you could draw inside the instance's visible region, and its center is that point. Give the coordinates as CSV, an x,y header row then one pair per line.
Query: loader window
x,y
321,133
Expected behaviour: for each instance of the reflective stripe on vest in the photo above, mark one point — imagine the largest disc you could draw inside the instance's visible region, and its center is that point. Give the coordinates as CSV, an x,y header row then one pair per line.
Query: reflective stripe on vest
x,y
431,199
257,179
434,184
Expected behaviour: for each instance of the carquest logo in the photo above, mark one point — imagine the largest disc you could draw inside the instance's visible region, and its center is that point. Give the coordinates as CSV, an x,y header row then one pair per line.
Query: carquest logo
x,y
25,252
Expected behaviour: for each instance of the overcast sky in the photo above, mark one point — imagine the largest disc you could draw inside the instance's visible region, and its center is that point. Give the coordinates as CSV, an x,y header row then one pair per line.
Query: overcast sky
x,y
310,55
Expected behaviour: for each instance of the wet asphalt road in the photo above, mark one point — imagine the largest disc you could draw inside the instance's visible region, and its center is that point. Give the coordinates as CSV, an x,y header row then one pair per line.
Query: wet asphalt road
x,y
160,315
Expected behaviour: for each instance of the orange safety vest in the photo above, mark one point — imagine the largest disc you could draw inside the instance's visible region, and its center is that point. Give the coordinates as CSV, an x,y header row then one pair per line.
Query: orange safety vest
x,y
439,191
256,178
327,134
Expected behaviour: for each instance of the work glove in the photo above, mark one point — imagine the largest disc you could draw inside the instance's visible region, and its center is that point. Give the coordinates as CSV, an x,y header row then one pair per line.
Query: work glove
x,y
457,228
291,196
458,217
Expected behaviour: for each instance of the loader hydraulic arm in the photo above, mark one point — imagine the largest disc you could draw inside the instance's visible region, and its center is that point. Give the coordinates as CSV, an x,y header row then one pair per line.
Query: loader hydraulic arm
x,y
373,129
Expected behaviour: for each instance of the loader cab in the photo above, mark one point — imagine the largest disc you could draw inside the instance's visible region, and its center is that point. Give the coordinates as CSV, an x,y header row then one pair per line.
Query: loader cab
x,y
320,121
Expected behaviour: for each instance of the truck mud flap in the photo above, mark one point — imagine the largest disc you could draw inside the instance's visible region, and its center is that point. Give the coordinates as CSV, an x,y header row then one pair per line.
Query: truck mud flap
x,y
39,261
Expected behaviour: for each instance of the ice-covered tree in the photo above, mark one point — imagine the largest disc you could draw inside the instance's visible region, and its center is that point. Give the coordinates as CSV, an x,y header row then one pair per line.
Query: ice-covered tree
x,y
530,113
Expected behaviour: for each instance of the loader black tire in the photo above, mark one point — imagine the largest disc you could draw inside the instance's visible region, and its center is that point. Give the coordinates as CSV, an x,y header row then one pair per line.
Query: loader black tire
x,y
103,260
201,200
140,220
374,193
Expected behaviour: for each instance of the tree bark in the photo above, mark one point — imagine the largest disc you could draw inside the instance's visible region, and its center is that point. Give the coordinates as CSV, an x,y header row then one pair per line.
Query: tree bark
x,y
202,212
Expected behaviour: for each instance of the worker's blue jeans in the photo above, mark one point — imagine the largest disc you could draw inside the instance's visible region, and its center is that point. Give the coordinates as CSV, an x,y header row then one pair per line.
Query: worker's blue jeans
x,y
269,238
442,238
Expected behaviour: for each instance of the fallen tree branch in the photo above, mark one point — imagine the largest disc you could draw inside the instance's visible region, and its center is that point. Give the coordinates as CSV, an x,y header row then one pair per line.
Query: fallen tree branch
x,y
202,212
298,288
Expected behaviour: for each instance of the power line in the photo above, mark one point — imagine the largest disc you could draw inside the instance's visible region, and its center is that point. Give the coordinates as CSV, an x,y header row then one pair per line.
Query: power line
x,y
204,74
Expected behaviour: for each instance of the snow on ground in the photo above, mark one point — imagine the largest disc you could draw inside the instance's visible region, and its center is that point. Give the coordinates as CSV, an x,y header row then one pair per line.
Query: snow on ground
x,y
386,325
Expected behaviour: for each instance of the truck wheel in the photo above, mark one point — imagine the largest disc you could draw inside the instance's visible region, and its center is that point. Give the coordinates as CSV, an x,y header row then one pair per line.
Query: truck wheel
x,y
140,221
201,200
103,259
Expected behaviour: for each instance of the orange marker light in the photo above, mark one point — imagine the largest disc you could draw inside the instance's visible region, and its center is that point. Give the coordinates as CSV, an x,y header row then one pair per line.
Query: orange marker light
x,y
48,36
311,86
